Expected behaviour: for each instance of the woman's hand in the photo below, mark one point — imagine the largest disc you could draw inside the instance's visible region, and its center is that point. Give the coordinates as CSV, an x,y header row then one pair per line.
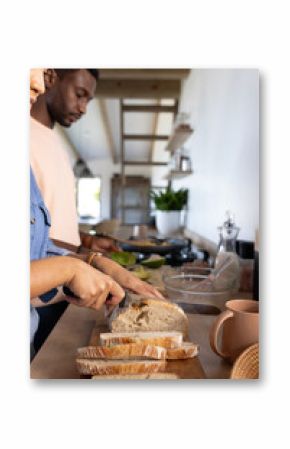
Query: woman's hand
x,y
92,287
125,278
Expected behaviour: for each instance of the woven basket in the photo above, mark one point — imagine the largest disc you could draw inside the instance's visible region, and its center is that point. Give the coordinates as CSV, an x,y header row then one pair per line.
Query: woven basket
x,y
247,364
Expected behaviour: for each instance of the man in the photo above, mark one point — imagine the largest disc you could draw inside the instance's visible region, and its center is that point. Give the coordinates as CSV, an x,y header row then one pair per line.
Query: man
x,y
64,102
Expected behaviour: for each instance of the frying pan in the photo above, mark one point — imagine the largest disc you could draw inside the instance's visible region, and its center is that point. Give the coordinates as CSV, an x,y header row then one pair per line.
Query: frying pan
x,y
172,245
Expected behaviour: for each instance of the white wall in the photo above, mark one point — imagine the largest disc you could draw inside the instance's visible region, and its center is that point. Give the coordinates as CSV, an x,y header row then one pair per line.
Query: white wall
x,y
224,149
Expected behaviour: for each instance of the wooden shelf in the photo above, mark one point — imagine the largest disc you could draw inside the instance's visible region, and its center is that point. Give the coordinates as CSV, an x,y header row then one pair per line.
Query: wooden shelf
x,y
148,108
144,137
134,207
174,174
144,163
178,138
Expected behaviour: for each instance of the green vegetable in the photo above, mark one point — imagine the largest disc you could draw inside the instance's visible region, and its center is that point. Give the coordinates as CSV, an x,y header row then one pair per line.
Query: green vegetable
x,y
154,261
141,273
123,258
170,199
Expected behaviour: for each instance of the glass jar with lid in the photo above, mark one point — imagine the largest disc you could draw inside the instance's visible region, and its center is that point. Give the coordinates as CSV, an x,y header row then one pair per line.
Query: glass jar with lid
x,y
226,252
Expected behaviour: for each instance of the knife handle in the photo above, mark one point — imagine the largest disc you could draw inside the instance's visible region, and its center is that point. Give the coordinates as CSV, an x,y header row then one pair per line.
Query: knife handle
x,y
122,303
67,291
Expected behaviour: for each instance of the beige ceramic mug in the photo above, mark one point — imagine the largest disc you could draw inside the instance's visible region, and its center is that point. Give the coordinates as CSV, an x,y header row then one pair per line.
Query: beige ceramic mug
x,y
240,328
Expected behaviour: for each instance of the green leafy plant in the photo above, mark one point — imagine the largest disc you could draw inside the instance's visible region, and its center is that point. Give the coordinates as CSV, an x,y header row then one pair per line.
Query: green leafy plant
x,y
170,199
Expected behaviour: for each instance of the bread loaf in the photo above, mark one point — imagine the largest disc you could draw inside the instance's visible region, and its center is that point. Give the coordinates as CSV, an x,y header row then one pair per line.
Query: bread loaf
x,y
188,350
104,367
123,351
163,339
155,376
151,315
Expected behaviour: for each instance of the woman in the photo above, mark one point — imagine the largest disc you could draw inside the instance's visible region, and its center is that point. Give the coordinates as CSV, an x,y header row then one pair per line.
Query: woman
x,y
52,266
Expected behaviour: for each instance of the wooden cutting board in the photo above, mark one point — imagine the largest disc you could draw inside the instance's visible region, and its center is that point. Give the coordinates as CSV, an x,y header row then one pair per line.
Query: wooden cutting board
x,y
185,369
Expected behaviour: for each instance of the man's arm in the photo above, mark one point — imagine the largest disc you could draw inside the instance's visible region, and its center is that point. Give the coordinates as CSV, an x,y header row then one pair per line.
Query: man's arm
x,y
89,243
66,245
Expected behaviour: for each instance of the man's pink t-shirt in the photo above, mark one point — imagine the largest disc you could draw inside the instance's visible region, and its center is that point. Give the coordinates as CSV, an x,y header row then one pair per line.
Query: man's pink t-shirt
x,y
55,179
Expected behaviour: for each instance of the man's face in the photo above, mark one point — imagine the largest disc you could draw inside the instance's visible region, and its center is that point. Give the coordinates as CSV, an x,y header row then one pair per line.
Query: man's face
x,y
67,100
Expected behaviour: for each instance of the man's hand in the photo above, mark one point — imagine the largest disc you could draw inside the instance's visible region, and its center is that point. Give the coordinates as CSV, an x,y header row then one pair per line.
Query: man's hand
x,y
92,287
125,278
103,245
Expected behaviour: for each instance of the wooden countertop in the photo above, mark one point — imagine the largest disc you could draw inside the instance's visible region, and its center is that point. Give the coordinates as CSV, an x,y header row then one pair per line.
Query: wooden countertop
x,y
55,360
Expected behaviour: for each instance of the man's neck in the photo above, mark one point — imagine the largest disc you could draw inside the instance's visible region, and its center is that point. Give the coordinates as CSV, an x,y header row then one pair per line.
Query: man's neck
x,y
40,112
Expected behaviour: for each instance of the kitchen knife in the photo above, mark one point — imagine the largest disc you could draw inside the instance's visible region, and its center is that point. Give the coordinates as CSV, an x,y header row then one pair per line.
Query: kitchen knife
x,y
67,291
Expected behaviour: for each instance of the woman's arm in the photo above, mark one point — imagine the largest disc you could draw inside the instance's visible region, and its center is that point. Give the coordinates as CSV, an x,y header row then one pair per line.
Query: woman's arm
x,y
125,278
90,286
122,276
49,273
59,297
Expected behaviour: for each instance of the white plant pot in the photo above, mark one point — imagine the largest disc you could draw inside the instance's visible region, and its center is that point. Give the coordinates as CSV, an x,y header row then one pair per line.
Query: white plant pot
x,y
168,222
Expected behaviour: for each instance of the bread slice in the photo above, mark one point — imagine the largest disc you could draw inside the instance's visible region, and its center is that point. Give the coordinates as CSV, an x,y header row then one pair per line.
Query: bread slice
x,y
151,315
155,376
163,339
126,351
188,350
99,366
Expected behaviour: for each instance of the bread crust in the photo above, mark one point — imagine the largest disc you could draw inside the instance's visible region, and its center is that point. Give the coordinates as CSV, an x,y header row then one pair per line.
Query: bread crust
x,y
188,350
164,303
150,315
104,367
163,339
123,351
156,376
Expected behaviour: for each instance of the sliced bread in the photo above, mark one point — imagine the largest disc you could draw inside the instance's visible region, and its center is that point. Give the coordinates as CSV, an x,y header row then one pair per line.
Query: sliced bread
x,y
156,376
122,351
99,366
187,350
163,339
150,315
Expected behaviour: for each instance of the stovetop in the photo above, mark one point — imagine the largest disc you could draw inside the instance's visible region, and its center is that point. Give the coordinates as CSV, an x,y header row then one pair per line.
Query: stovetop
x,y
177,258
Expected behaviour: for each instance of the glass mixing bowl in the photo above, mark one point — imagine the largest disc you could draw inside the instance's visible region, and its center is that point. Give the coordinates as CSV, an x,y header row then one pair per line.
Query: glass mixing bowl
x,y
181,287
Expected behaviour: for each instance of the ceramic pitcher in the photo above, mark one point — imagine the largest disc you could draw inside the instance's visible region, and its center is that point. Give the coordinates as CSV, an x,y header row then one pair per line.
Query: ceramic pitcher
x,y
239,324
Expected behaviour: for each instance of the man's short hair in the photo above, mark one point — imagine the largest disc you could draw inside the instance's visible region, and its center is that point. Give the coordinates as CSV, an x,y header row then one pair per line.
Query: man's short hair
x,y
94,72
61,73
